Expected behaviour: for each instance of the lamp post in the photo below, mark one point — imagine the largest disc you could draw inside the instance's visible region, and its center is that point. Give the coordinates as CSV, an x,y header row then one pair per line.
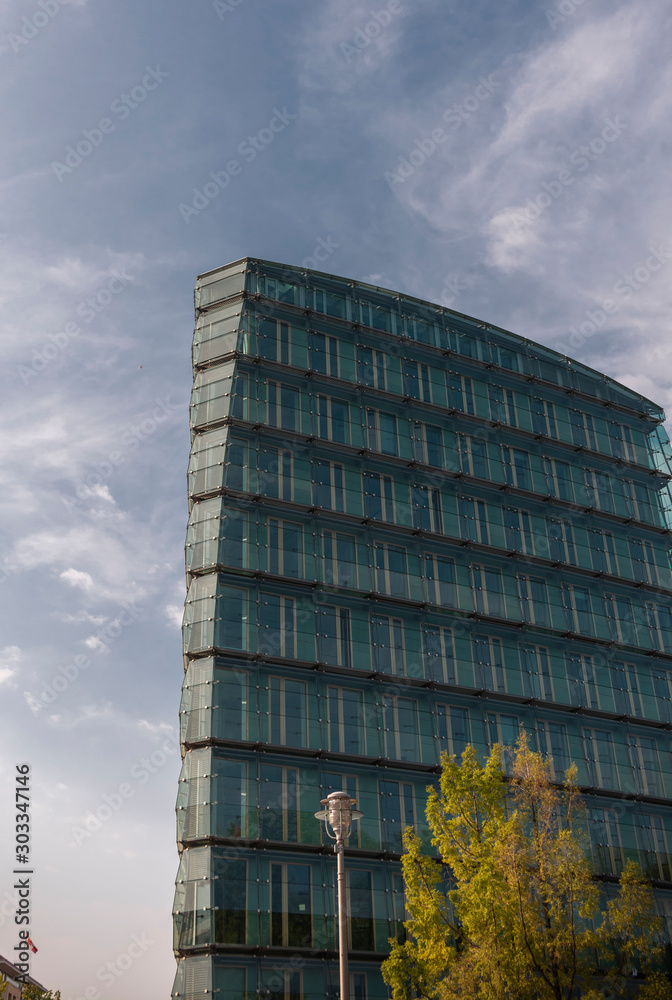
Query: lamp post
x,y
338,813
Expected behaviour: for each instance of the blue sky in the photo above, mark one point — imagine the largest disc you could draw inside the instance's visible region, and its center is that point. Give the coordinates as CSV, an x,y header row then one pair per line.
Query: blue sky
x,y
508,159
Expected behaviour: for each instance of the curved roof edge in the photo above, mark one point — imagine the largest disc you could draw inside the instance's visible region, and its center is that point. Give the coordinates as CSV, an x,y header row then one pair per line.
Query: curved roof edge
x,y
592,373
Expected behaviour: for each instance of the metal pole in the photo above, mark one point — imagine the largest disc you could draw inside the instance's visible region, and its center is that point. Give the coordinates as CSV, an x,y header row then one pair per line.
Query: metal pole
x,y
342,919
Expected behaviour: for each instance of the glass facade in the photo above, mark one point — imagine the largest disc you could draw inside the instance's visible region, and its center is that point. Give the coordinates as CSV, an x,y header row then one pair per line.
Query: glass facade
x,y
409,531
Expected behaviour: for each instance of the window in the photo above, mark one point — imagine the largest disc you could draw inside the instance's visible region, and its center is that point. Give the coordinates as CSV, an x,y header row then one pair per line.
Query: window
x,y
474,520
453,729
578,609
371,365
662,686
518,531
391,573
361,933
602,551
333,420
605,841
279,808
652,844
620,618
334,782
600,759
286,712
440,585
582,682
328,484
323,354
291,915
230,899
502,405
439,651
626,688
488,591
427,509
460,392
660,626
473,456
643,561
381,432
554,744
378,317
543,417
558,477
283,406
237,466
427,444
516,467
599,493
285,548
397,812
583,430
536,665
345,721
560,541
334,641
340,560
275,473
277,625
330,303
645,763
378,497
622,445
399,914
274,341
638,501
489,673
533,597
417,383
283,984
502,729
387,639
401,728
232,713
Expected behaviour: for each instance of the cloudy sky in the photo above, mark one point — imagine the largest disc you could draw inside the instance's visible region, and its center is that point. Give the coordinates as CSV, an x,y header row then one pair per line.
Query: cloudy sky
x,y
508,158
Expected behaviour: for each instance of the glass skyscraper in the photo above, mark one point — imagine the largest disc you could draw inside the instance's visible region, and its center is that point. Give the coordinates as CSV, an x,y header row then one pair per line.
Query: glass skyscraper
x,y
409,531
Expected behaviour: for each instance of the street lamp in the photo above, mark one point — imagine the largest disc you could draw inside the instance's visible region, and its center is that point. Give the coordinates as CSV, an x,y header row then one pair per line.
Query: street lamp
x,y
338,813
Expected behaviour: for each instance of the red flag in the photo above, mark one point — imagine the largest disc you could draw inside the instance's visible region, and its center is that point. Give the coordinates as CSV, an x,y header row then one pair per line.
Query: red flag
x,y
31,946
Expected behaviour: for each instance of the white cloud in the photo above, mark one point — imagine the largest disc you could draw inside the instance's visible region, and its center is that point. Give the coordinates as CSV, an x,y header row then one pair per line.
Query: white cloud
x,y
174,614
76,578
10,658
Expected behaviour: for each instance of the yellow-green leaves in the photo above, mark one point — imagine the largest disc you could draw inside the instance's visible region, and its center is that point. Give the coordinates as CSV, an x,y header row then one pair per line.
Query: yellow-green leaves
x,y
510,909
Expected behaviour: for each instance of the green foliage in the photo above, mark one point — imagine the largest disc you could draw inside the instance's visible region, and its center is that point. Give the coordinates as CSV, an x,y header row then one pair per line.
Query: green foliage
x,y
512,911
32,993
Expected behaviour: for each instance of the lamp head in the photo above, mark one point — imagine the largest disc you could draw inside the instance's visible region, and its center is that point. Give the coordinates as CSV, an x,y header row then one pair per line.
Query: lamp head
x,y
339,814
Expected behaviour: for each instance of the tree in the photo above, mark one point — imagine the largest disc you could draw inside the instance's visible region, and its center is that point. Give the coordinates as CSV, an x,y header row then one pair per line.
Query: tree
x,y
32,993
512,910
